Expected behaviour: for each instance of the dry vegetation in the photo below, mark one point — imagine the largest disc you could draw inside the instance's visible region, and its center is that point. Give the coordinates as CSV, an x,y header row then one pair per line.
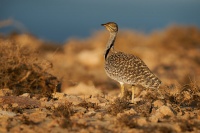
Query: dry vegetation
x,y
63,88
22,71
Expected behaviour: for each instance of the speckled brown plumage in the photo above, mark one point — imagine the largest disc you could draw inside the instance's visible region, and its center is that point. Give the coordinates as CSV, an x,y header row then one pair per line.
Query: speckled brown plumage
x,y
130,69
126,68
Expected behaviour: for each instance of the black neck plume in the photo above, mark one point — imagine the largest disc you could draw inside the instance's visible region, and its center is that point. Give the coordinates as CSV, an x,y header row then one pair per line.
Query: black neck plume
x,y
110,44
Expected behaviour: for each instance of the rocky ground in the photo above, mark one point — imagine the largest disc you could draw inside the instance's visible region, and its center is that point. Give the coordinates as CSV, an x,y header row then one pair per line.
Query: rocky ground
x,y
63,88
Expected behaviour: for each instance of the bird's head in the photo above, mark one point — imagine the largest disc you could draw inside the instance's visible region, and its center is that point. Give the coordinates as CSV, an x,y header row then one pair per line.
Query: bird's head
x,y
111,26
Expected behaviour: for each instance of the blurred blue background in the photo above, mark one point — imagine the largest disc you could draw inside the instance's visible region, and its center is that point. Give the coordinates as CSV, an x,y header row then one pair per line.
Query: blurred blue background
x,y
57,20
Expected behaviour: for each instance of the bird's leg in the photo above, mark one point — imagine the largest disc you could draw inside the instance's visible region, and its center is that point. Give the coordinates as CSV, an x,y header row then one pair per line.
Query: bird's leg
x,y
122,90
133,93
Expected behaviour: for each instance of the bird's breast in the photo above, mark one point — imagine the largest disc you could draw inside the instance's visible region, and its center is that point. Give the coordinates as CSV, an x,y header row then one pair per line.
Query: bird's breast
x,y
129,69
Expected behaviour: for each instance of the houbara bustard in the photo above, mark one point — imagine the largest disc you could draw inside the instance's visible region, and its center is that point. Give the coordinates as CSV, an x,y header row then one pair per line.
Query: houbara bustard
x,y
126,68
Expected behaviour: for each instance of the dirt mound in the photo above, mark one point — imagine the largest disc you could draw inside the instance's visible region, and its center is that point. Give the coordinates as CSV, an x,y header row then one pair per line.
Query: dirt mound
x,y
22,71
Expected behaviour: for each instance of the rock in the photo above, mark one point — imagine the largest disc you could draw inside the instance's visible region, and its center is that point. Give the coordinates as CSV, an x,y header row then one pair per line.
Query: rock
x,y
5,106
141,121
102,99
7,113
93,100
158,103
82,122
53,123
137,99
165,111
14,105
186,95
20,128
47,104
153,119
5,91
160,113
80,109
99,116
103,105
73,99
143,93
43,99
23,102
90,113
37,117
56,105
25,95
186,115
59,95
130,111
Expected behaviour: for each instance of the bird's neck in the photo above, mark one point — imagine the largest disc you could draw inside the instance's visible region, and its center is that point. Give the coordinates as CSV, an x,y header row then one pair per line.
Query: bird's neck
x,y
110,43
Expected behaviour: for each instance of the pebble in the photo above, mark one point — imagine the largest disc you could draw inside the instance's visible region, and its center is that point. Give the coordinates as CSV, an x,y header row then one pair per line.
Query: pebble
x,y
141,121
14,105
158,103
7,113
160,113
25,95
165,111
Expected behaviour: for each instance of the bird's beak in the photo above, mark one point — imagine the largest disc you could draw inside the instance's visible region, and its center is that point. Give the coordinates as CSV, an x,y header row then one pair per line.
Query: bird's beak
x,y
103,24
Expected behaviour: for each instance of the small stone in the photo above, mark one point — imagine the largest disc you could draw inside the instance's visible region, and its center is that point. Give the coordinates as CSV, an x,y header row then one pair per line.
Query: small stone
x,y
107,116
44,99
153,119
90,113
82,122
47,104
73,99
14,105
59,95
37,117
186,115
5,91
25,95
7,113
141,121
93,100
80,109
158,103
5,106
99,116
166,111
56,105
186,95
102,104
137,99
143,93
160,113
130,111
102,100
198,116
53,123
